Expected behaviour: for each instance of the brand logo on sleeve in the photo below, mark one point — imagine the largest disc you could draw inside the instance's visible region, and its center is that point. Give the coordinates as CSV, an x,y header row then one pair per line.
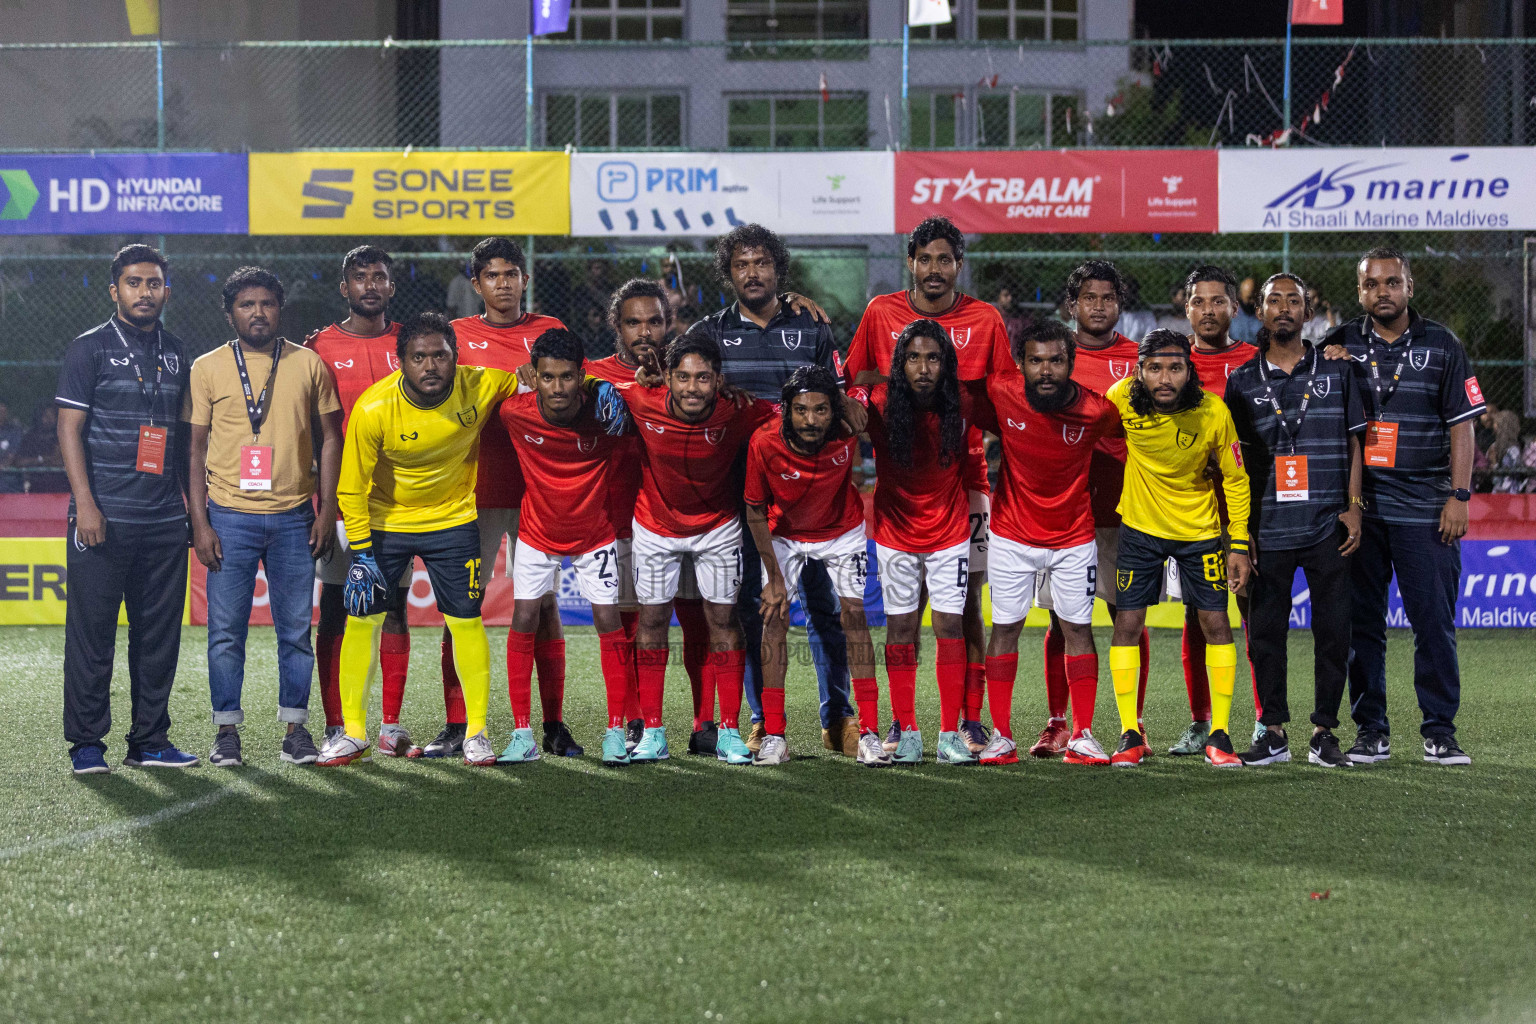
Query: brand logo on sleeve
x,y
533,440
652,426
1015,424
791,475
480,344
343,365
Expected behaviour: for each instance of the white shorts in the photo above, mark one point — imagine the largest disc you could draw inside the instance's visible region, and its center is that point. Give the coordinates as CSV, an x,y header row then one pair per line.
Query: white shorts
x,y
332,569
846,559
535,573
902,574
494,524
716,563
981,528
1019,571
1106,541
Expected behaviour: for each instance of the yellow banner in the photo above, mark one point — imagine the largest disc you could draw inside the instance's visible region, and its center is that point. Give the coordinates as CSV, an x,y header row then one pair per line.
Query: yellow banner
x,y
33,581
391,193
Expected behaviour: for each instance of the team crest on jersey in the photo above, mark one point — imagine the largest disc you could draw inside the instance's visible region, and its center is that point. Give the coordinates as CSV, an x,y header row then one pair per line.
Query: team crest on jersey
x,y
586,445
714,435
1184,439
346,365
1119,368
1123,578
479,344
393,361
1072,435
961,336
791,338
533,440
1419,360
1322,387
1015,424
172,362
841,458
469,416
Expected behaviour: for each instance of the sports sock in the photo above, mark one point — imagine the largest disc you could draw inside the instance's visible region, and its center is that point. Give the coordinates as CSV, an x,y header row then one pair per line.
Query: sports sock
x,y
617,653
394,661
629,620
975,690
453,692
1083,681
1124,667
328,667
901,676
549,659
773,711
1221,660
866,693
1001,671
472,664
690,617
1144,651
359,659
949,668
728,669
651,679
520,678
1192,653
1055,673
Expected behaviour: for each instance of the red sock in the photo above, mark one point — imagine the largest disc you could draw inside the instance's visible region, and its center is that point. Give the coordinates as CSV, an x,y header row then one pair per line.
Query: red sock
x,y
690,616
549,659
520,678
617,652
901,676
1055,673
1146,666
1192,653
394,661
453,693
866,693
773,711
651,678
1083,680
629,620
949,667
1001,673
328,663
728,668
975,690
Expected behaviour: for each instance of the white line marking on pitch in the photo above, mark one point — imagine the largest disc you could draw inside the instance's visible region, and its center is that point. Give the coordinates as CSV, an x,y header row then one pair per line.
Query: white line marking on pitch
x,y
118,828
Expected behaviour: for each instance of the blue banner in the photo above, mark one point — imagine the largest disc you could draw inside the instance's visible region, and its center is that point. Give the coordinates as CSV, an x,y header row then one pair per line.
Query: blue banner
x,y
124,194
551,16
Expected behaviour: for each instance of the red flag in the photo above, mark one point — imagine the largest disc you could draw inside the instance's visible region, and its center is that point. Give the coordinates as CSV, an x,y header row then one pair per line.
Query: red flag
x,y
1317,12
826,95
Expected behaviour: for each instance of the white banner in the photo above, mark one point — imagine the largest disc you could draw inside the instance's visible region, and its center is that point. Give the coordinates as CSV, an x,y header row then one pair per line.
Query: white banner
x,y
671,194
1471,189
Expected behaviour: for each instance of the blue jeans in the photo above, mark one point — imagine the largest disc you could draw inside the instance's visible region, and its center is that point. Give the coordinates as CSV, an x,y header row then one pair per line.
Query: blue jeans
x,y
823,630
279,542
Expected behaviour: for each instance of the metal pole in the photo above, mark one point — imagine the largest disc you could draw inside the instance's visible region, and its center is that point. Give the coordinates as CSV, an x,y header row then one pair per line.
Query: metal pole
x,y
160,93
1285,238
906,114
528,92
528,296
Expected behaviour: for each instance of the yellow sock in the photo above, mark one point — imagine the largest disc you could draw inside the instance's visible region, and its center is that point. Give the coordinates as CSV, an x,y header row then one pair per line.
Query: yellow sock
x,y
1221,668
472,659
359,660
1125,671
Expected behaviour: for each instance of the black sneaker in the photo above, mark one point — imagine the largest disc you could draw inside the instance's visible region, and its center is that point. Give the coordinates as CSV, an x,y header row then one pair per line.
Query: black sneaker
x,y
299,747
1270,748
1369,748
703,741
1443,750
559,741
633,730
1324,750
447,743
892,737
226,749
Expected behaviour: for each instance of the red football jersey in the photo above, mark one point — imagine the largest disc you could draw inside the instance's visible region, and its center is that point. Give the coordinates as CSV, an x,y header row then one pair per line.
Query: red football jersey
x,y
922,509
624,479
1097,370
687,485
356,362
1215,367
1042,497
501,347
568,469
809,497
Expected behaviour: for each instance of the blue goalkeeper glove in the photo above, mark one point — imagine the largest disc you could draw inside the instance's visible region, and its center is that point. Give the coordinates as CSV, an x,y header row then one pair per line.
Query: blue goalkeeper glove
x,y
611,412
364,582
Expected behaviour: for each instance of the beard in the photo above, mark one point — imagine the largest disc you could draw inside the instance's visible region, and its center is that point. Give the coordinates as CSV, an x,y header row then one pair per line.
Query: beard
x,y
1048,403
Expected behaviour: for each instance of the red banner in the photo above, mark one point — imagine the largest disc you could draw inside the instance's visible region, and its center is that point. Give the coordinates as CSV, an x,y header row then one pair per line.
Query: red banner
x,y
1039,191
1317,12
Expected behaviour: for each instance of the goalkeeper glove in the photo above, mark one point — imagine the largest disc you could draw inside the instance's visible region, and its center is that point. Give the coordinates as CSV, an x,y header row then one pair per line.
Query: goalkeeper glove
x,y
364,581
611,412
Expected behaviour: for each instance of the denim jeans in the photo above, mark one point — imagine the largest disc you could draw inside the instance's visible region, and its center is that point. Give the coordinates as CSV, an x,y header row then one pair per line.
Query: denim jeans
x,y
279,542
823,631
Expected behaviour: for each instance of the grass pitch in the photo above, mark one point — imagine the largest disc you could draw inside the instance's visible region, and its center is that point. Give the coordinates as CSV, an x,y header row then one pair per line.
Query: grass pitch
x,y
819,891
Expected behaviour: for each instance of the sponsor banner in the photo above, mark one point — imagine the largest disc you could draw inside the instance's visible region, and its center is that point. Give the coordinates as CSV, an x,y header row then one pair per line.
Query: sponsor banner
x,y
637,194
390,193
1032,191
1430,189
34,580
123,193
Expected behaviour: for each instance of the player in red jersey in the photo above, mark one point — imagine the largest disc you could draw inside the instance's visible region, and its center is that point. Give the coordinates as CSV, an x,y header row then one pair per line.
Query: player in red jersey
x,y
359,351
569,461
802,505
1042,519
935,256
688,503
919,422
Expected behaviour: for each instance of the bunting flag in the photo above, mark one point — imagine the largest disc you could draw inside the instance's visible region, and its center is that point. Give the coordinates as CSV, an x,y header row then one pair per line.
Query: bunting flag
x,y
143,17
551,16
1317,12
928,12
826,94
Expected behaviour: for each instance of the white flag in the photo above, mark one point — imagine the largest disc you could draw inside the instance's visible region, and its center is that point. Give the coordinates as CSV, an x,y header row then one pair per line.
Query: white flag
x,y
928,12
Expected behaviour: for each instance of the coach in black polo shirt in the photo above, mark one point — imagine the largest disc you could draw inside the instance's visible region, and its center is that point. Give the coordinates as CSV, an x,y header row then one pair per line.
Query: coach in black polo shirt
x,y
119,399
1299,418
1420,403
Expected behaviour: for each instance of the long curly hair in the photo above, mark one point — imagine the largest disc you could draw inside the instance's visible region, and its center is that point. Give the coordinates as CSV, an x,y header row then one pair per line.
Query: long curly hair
x,y
1163,340
901,407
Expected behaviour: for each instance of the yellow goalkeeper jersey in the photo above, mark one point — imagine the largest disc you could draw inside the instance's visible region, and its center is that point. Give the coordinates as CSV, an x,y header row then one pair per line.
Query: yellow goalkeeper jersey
x,y
412,470
1166,493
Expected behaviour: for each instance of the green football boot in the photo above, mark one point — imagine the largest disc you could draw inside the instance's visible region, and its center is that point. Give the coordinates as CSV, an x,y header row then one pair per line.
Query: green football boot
x,y
652,746
952,749
1193,740
615,750
909,747
730,747
522,748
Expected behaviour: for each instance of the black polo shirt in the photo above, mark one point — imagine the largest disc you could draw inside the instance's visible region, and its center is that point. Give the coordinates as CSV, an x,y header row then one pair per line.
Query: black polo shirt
x,y
760,359
1334,411
98,378
1436,389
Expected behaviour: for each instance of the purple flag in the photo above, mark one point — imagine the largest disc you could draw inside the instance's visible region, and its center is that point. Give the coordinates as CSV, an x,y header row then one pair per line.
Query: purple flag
x,y
551,16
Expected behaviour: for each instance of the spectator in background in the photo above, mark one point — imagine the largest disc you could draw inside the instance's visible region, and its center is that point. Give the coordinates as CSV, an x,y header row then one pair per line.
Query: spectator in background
x,y
1136,320
39,447
1501,449
1323,318
1528,460
1176,319
1013,320
11,434
463,300
1245,325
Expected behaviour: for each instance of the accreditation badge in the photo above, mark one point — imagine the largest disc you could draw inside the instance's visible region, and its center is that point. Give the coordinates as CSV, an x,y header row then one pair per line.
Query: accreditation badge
x,y
1381,444
151,457
256,467
1290,478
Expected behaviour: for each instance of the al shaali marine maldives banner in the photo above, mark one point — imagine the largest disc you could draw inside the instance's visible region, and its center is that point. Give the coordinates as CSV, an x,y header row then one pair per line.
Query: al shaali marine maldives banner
x,y
671,194
123,193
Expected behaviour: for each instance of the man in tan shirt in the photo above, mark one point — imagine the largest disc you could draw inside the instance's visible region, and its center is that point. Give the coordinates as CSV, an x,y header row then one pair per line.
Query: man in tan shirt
x,y
254,406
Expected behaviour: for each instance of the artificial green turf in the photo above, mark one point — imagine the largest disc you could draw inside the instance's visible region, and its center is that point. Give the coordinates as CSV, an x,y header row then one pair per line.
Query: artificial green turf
x,y
693,891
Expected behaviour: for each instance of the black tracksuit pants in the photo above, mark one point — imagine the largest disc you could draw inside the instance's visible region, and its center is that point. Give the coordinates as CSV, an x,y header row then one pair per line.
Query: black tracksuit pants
x,y
1269,613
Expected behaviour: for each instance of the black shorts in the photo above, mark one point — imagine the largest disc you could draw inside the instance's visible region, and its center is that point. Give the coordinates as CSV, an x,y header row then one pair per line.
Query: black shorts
x,y
452,558
1139,570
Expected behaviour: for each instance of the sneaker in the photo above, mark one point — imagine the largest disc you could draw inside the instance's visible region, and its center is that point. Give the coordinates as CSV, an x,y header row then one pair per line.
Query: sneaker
x,y
559,741
342,750
89,761
704,742
1444,750
652,746
633,730
1324,750
755,736
774,751
615,750
520,749
1259,729
1370,747
1219,752
394,741
1084,749
892,737
299,748
872,752
999,750
952,749
168,757
1192,741
226,749
1053,739
729,747
331,732
1131,751
909,749
975,735
478,751
1269,748
445,744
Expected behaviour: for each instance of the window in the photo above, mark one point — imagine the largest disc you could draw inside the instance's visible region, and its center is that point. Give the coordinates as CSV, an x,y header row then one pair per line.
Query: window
x,y
1027,119
624,20
613,120
770,21
1029,20
935,118
797,121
